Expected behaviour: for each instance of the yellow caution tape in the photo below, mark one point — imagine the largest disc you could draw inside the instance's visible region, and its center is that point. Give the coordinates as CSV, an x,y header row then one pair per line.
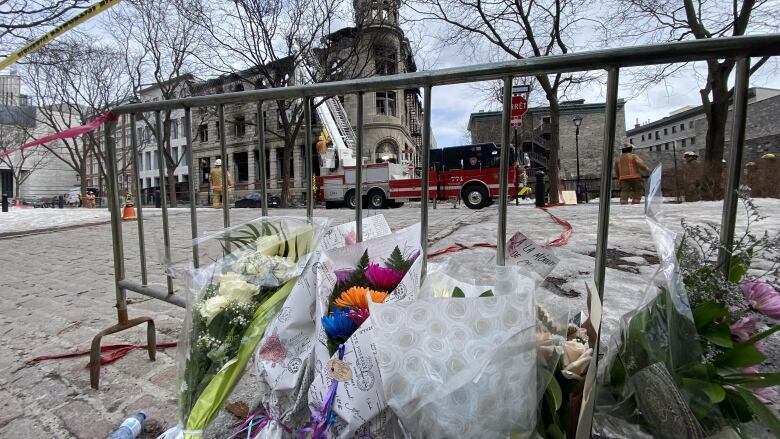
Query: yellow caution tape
x,y
93,10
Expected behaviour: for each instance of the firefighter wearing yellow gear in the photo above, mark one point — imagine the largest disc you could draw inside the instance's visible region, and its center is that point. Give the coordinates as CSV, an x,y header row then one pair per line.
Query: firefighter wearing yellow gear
x,y
627,169
215,180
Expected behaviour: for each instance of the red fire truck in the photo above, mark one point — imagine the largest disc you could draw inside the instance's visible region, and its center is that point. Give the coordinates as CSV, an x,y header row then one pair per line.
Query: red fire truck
x,y
469,172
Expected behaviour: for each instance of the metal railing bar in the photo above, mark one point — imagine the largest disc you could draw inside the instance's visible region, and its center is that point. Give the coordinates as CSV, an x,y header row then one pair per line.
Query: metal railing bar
x,y
307,157
684,51
225,171
116,220
359,169
424,193
260,127
730,197
152,292
504,161
193,186
605,193
163,193
138,201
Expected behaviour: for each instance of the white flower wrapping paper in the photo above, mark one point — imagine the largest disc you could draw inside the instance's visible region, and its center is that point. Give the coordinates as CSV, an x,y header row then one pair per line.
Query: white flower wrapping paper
x,y
359,403
460,367
283,360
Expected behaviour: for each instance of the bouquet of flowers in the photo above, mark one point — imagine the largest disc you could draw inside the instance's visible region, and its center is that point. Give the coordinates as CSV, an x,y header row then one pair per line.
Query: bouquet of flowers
x,y
696,349
345,395
283,359
232,301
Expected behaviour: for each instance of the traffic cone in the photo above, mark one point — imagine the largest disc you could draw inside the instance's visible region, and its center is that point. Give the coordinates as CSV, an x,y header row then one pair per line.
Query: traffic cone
x,y
18,203
128,212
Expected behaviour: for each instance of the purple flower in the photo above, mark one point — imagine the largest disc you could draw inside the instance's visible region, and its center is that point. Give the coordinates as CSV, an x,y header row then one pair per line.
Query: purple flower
x,y
762,297
382,278
765,394
743,328
343,275
358,316
338,325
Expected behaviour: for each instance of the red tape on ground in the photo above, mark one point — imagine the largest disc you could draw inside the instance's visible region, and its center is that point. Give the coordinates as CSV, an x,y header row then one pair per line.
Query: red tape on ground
x,y
64,134
115,352
560,241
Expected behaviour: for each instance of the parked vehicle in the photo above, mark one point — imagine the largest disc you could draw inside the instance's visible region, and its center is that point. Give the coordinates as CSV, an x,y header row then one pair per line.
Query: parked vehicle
x,y
254,200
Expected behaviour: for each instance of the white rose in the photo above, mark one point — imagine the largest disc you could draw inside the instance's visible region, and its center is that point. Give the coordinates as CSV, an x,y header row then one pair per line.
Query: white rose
x,y
268,245
233,287
575,360
211,307
284,268
255,264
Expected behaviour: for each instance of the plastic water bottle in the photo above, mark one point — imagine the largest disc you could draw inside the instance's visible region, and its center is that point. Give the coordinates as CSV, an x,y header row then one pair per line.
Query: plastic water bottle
x,y
130,428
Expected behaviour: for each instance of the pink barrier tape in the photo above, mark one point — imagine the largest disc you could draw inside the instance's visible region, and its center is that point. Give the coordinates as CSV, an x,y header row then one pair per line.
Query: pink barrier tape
x,y
65,134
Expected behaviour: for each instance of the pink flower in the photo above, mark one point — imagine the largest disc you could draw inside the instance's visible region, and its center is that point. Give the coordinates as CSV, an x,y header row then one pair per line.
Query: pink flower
x,y
743,328
382,278
765,394
343,275
350,238
762,297
358,316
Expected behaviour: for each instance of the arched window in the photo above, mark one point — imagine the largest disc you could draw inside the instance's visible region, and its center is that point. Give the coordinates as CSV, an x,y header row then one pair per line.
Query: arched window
x,y
386,151
238,87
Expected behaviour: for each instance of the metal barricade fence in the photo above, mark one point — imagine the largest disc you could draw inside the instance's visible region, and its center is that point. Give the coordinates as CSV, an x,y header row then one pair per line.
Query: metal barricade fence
x,y
611,60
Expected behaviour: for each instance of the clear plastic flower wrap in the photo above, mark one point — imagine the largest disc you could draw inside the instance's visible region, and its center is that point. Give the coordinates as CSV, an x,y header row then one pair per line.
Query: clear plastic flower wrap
x,y
231,302
284,358
460,359
346,395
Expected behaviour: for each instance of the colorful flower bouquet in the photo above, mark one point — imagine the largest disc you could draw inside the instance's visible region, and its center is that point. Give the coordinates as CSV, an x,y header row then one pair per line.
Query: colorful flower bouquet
x,y
232,302
284,358
695,350
348,279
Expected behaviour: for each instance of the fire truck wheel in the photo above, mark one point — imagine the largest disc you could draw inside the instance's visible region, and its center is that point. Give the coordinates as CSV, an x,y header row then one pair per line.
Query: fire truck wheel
x,y
377,199
349,199
475,197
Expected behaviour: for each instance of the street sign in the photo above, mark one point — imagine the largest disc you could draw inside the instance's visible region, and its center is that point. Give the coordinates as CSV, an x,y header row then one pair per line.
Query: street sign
x,y
519,107
520,89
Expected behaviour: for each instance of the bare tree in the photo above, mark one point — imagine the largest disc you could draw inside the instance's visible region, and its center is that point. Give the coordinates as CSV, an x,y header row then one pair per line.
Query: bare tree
x,y
21,163
22,20
501,29
74,80
159,45
657,21
267,42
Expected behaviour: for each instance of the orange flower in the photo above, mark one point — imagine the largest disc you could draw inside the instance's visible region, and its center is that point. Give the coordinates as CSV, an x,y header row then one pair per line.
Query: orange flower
x,y
355,298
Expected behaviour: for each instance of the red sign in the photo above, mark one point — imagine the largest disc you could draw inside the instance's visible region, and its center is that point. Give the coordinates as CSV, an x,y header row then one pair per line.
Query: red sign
x,y
519,107
410,167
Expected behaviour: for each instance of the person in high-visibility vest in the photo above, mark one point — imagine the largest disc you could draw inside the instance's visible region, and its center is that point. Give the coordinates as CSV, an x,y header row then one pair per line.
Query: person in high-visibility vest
x,y
627,169
215,180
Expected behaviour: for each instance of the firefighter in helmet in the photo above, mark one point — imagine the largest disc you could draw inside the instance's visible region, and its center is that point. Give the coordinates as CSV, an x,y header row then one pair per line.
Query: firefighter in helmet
x,y
215,180
627,168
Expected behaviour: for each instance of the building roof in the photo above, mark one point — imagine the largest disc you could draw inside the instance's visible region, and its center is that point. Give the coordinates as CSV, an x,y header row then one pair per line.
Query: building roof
x,y
181,78
566,107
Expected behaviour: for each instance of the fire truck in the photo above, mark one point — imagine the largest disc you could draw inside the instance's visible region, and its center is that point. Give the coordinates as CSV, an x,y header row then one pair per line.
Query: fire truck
x,y
468,172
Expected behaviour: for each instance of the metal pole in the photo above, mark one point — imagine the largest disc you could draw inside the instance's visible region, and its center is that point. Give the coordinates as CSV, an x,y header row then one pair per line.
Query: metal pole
x,y
307,155
577,148
503,174
425,183
676,176
193,185
517,172
138,201
728,221
116,222
359,170
225,170
260,126
163,196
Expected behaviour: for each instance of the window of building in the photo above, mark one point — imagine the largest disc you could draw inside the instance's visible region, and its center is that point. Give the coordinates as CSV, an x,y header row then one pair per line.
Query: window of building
x,y
657,137
203,132
690,124
175,153
386,151
239,125
674,128
666,146
693,140
385,103
385,60
205,168
139,134
682,127
242,166
148,161
174,129
666,131
148,182
631,141
682,142
238,87
219,132
643,137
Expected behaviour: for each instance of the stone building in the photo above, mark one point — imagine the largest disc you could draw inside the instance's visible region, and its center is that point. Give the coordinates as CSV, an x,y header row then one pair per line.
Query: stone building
x,y
534,135
686,129
392,119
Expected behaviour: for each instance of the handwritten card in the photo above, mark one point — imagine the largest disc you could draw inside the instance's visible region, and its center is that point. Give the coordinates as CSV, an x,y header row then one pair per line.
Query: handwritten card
x,y
527,254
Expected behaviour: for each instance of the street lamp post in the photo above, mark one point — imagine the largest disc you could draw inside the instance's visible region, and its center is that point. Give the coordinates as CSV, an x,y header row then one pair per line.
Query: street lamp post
x,y
577,122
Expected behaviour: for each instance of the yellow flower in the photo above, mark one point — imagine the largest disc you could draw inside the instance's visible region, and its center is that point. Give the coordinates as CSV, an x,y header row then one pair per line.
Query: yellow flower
x,y
356,298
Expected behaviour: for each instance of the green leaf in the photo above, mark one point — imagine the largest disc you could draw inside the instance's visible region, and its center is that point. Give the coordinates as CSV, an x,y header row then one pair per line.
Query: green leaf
x,y
766,416
363,263
488,293
754,380
254,231
397,261
719,335
457,292
741,355
735,407
554,431
555,393
738,270
761,335
713,391
707,313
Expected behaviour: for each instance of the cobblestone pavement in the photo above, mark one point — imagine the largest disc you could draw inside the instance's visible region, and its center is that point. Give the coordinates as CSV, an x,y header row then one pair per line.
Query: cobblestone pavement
x,y
56,293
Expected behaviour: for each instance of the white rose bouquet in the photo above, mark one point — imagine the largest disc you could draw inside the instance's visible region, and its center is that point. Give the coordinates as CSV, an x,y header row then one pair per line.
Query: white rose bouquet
x,y
233,301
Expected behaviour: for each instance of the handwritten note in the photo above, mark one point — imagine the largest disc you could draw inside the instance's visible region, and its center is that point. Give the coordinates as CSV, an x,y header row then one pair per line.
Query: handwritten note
x,y
525,253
